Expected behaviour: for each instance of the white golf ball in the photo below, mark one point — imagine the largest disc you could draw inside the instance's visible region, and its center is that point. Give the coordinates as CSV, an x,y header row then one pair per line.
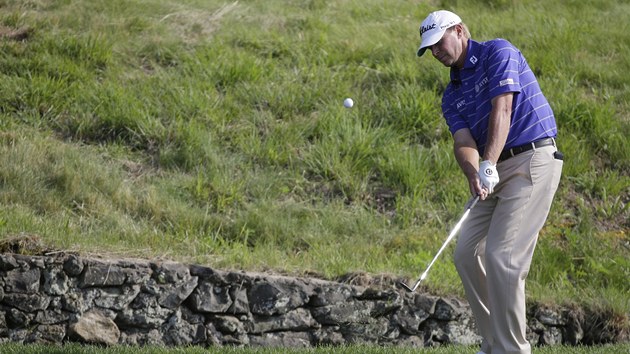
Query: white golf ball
x,y
348,103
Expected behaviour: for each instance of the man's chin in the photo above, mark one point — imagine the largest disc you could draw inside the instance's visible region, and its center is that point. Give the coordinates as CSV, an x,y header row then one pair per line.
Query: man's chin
x,y
447,63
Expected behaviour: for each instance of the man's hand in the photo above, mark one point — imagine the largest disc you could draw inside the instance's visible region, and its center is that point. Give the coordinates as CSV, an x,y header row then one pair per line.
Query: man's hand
x,y
488,175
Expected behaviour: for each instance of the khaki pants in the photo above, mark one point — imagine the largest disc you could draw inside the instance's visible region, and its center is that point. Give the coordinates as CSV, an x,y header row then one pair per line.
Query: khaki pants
x,y
496,245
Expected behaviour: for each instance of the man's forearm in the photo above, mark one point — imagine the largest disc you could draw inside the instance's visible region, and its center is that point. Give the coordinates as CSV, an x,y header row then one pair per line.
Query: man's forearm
x,y
468,159
498,126
467,156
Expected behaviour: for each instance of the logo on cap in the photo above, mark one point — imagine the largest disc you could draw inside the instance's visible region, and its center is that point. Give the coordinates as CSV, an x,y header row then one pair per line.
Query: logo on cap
x,y
448,24
426,28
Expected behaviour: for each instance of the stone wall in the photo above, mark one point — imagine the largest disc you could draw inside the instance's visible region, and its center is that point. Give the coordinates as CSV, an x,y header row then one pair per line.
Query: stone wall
x,y
66,298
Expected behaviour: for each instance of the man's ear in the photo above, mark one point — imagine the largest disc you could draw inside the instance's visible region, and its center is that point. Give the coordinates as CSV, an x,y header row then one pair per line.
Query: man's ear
x,y
459,29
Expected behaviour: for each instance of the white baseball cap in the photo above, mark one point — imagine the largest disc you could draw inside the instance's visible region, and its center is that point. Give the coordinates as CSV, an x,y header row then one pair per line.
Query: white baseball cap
x,y
433,27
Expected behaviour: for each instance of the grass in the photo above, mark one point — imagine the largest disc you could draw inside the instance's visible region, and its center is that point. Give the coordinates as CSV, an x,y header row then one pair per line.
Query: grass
x,y
75,348
213,133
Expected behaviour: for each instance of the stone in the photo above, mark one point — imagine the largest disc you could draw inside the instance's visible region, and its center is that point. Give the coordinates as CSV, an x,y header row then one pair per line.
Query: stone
x,y
7,262
136,271
21,280
296,320
374,330
462,331
46,335
141,337
572,332
331,294
116,298
140,303
55,281
95,328
52,316
170,272
178,332
551,336
218,338
410,341
422,301
328,336
447,309
172,295
549,317
15,318
80,300
3,325
229,325
278,297
387,306
73,266
209,298
344,312
144,312
240,302
281,340
101,274
27,302
409,319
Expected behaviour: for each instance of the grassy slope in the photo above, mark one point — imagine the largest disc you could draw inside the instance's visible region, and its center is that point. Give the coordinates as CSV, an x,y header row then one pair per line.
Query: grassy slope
x,y
213,132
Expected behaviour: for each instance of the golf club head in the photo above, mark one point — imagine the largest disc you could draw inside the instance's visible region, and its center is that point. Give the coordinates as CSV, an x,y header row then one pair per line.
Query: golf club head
x,y
407,287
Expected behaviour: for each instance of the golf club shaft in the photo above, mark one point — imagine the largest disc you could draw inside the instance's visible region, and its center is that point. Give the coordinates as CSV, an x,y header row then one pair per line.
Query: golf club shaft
x,y
471,203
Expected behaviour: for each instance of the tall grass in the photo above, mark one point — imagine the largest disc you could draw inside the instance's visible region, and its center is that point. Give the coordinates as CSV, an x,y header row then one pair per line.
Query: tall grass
x,y
213,132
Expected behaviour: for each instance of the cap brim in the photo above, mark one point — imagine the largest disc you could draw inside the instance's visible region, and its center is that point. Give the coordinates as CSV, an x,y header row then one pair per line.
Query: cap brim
x,y
430,40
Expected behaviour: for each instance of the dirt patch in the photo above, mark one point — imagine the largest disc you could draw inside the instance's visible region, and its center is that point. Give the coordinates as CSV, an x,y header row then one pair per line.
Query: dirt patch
x,y
15,34
370,280
23,243
192,24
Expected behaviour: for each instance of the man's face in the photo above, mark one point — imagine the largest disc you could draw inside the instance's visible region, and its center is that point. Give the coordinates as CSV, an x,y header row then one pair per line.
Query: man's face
x,y
448,50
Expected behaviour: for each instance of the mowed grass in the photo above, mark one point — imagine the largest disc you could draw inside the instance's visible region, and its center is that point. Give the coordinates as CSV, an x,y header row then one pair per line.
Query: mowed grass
x,y
76,349
213,132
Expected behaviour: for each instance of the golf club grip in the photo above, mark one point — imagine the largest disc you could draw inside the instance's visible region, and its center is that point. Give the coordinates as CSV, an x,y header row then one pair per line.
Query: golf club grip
x,y
472,202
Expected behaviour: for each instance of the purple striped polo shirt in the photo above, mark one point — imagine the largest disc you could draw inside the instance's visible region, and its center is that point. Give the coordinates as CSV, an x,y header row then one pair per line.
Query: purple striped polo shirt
x,y
492,68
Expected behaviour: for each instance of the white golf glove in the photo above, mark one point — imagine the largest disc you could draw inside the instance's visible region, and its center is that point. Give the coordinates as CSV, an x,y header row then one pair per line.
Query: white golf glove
x,y
488,175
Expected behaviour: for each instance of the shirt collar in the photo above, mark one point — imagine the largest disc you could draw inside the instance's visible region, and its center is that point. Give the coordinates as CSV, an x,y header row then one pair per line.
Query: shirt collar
x,y
472,57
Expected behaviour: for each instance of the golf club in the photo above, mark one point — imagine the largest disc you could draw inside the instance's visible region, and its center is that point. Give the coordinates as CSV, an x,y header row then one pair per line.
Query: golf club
x,y
471,203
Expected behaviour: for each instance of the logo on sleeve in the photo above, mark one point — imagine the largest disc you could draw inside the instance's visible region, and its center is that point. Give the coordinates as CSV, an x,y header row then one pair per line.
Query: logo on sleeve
x,y
506,82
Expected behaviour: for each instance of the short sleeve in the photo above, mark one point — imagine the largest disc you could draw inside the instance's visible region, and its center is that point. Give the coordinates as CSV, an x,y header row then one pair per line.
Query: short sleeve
x,y
504,61
453,118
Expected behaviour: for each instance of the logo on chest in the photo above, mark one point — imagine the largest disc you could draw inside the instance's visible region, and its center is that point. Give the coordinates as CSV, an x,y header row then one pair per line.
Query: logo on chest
x,y
481,84
460,104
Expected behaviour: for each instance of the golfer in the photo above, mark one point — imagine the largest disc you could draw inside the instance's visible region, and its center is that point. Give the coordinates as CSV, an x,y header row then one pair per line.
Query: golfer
x,y
504,141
